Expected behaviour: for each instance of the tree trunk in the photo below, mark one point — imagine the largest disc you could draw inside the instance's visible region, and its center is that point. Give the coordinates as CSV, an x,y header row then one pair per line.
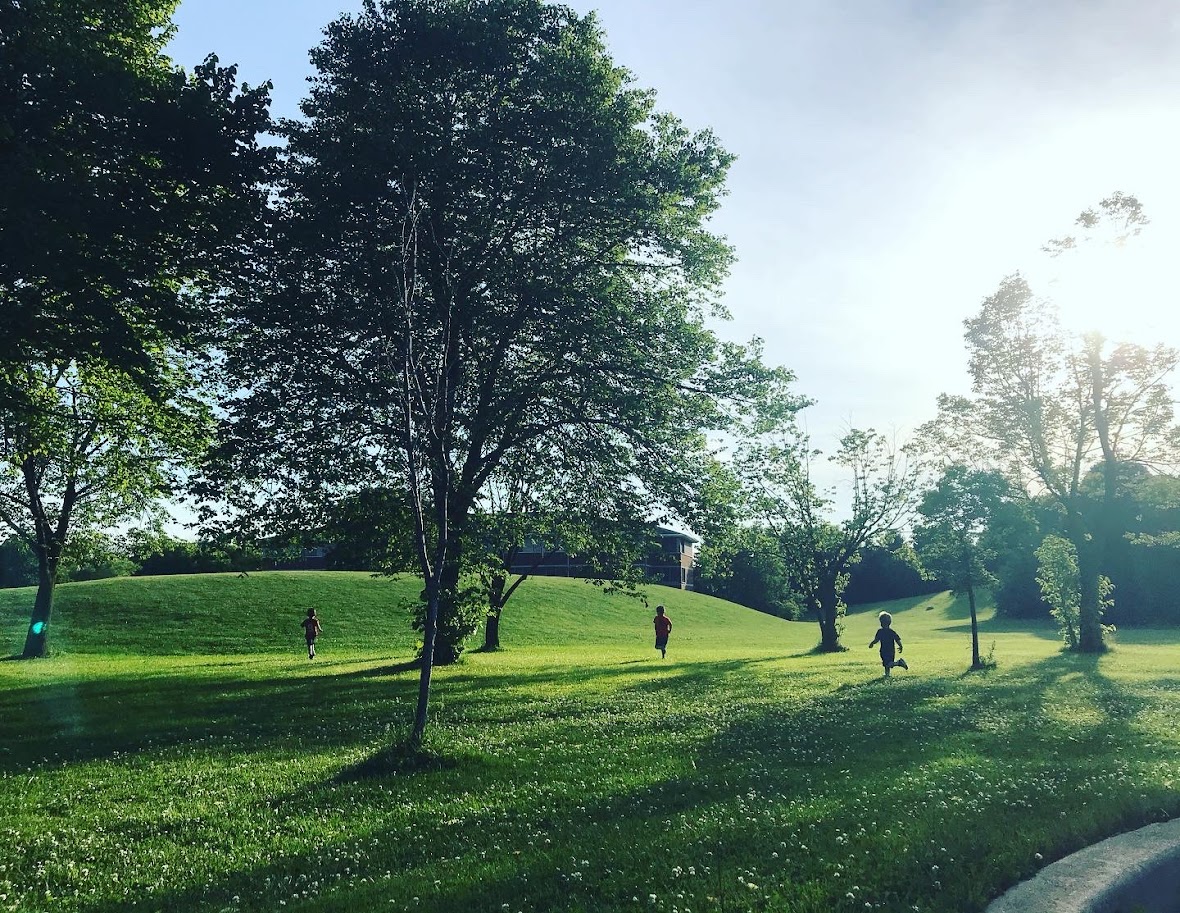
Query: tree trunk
x,y
491,631
975,663
447,636
1089,610
37,639
1097,548
429,634
829,631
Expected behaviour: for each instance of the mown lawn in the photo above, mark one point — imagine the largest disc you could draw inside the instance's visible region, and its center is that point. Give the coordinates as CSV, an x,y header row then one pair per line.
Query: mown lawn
x,y
572,771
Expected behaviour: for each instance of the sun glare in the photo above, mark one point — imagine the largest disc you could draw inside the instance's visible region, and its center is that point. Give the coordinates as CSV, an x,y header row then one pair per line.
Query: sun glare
x,y
1128,292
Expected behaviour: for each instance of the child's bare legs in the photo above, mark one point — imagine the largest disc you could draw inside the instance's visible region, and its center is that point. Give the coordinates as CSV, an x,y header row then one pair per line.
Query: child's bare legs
x,y
900,663
311,649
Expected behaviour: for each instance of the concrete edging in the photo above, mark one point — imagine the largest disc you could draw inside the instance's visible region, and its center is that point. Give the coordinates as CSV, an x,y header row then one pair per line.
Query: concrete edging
x,y
1139,870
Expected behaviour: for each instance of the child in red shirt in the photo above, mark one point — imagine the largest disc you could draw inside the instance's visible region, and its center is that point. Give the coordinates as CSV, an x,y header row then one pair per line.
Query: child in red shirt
x,y
311,629
663,628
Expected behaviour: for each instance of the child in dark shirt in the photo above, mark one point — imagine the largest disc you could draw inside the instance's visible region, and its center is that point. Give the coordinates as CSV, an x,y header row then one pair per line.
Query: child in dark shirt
x,y
887,637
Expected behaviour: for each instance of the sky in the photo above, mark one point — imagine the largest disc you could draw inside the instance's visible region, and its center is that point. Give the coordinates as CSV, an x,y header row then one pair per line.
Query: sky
x,y
896,159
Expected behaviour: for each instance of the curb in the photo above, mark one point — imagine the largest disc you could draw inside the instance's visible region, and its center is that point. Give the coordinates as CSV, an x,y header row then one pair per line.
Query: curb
x,y
1138,871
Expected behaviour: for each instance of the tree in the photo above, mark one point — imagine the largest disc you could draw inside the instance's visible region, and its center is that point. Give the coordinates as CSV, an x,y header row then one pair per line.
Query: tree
x,y
888,569
553,499
1060,581
1047,407
950,539
744,564
819,551
92,450
486,238
129,188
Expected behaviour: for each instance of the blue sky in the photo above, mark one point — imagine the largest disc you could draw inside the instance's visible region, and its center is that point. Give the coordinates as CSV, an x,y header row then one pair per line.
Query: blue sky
x,y
895,161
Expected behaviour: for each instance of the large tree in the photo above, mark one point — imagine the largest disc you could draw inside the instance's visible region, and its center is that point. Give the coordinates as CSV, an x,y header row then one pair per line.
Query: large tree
x,y
1047,406
129,187
818,548
486,238
92,450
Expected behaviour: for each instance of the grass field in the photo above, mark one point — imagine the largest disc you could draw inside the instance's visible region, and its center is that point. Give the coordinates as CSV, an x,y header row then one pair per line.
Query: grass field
x,y
179,753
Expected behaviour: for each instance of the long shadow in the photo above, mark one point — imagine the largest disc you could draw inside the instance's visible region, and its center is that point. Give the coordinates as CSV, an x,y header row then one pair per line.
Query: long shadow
x,y
805,748
92,719
798,752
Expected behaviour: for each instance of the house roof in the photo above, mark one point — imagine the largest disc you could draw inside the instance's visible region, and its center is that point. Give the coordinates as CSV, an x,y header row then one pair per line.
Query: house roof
x,y
670,533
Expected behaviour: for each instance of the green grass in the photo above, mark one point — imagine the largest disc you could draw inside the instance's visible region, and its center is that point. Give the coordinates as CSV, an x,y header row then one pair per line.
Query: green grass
x,y
572,771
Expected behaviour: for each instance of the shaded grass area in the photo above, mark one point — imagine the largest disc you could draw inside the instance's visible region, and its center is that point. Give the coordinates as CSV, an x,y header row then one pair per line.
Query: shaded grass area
x,y
739,775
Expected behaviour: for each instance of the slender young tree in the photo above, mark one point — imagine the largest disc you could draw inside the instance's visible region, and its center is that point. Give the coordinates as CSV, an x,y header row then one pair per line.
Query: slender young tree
x,y
92,450
819,550
486,236
950,537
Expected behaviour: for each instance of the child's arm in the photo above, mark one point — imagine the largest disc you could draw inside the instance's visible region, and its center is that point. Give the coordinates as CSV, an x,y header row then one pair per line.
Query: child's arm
x,y
899,646
873,642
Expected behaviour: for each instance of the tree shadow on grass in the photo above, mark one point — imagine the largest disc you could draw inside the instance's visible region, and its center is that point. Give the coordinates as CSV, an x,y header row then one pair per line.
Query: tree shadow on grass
x,y
754,752
91,719
399,759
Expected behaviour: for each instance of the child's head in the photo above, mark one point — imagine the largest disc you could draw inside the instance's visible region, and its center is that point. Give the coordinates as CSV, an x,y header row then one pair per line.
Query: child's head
x,y
311,613
659,610
885,618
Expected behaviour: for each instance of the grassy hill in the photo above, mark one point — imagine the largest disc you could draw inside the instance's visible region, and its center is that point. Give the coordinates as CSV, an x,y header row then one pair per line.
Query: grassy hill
x,y
230,614
180,753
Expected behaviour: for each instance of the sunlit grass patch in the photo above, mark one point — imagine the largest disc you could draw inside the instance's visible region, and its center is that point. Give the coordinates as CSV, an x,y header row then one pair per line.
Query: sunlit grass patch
x,y
739,774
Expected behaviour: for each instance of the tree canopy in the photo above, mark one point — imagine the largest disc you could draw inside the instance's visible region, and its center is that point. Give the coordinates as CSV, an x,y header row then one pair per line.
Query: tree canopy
x,y
488,240
130,187
1048,406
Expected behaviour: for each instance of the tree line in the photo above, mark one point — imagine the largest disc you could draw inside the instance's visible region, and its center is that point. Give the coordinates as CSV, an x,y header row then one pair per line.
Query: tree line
x,y
465,299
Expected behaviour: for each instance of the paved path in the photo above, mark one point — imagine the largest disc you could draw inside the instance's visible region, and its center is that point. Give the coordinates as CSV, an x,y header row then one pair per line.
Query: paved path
x,y
1137,872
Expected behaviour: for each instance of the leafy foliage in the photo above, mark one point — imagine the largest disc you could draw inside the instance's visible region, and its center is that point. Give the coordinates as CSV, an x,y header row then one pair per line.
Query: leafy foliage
x,y
744,564
1058,577
487,242
889,569
130,187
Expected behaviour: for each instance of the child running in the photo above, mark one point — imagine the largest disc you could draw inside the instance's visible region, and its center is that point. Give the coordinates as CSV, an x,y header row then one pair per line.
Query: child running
x,y
887,637
311,629
663,628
